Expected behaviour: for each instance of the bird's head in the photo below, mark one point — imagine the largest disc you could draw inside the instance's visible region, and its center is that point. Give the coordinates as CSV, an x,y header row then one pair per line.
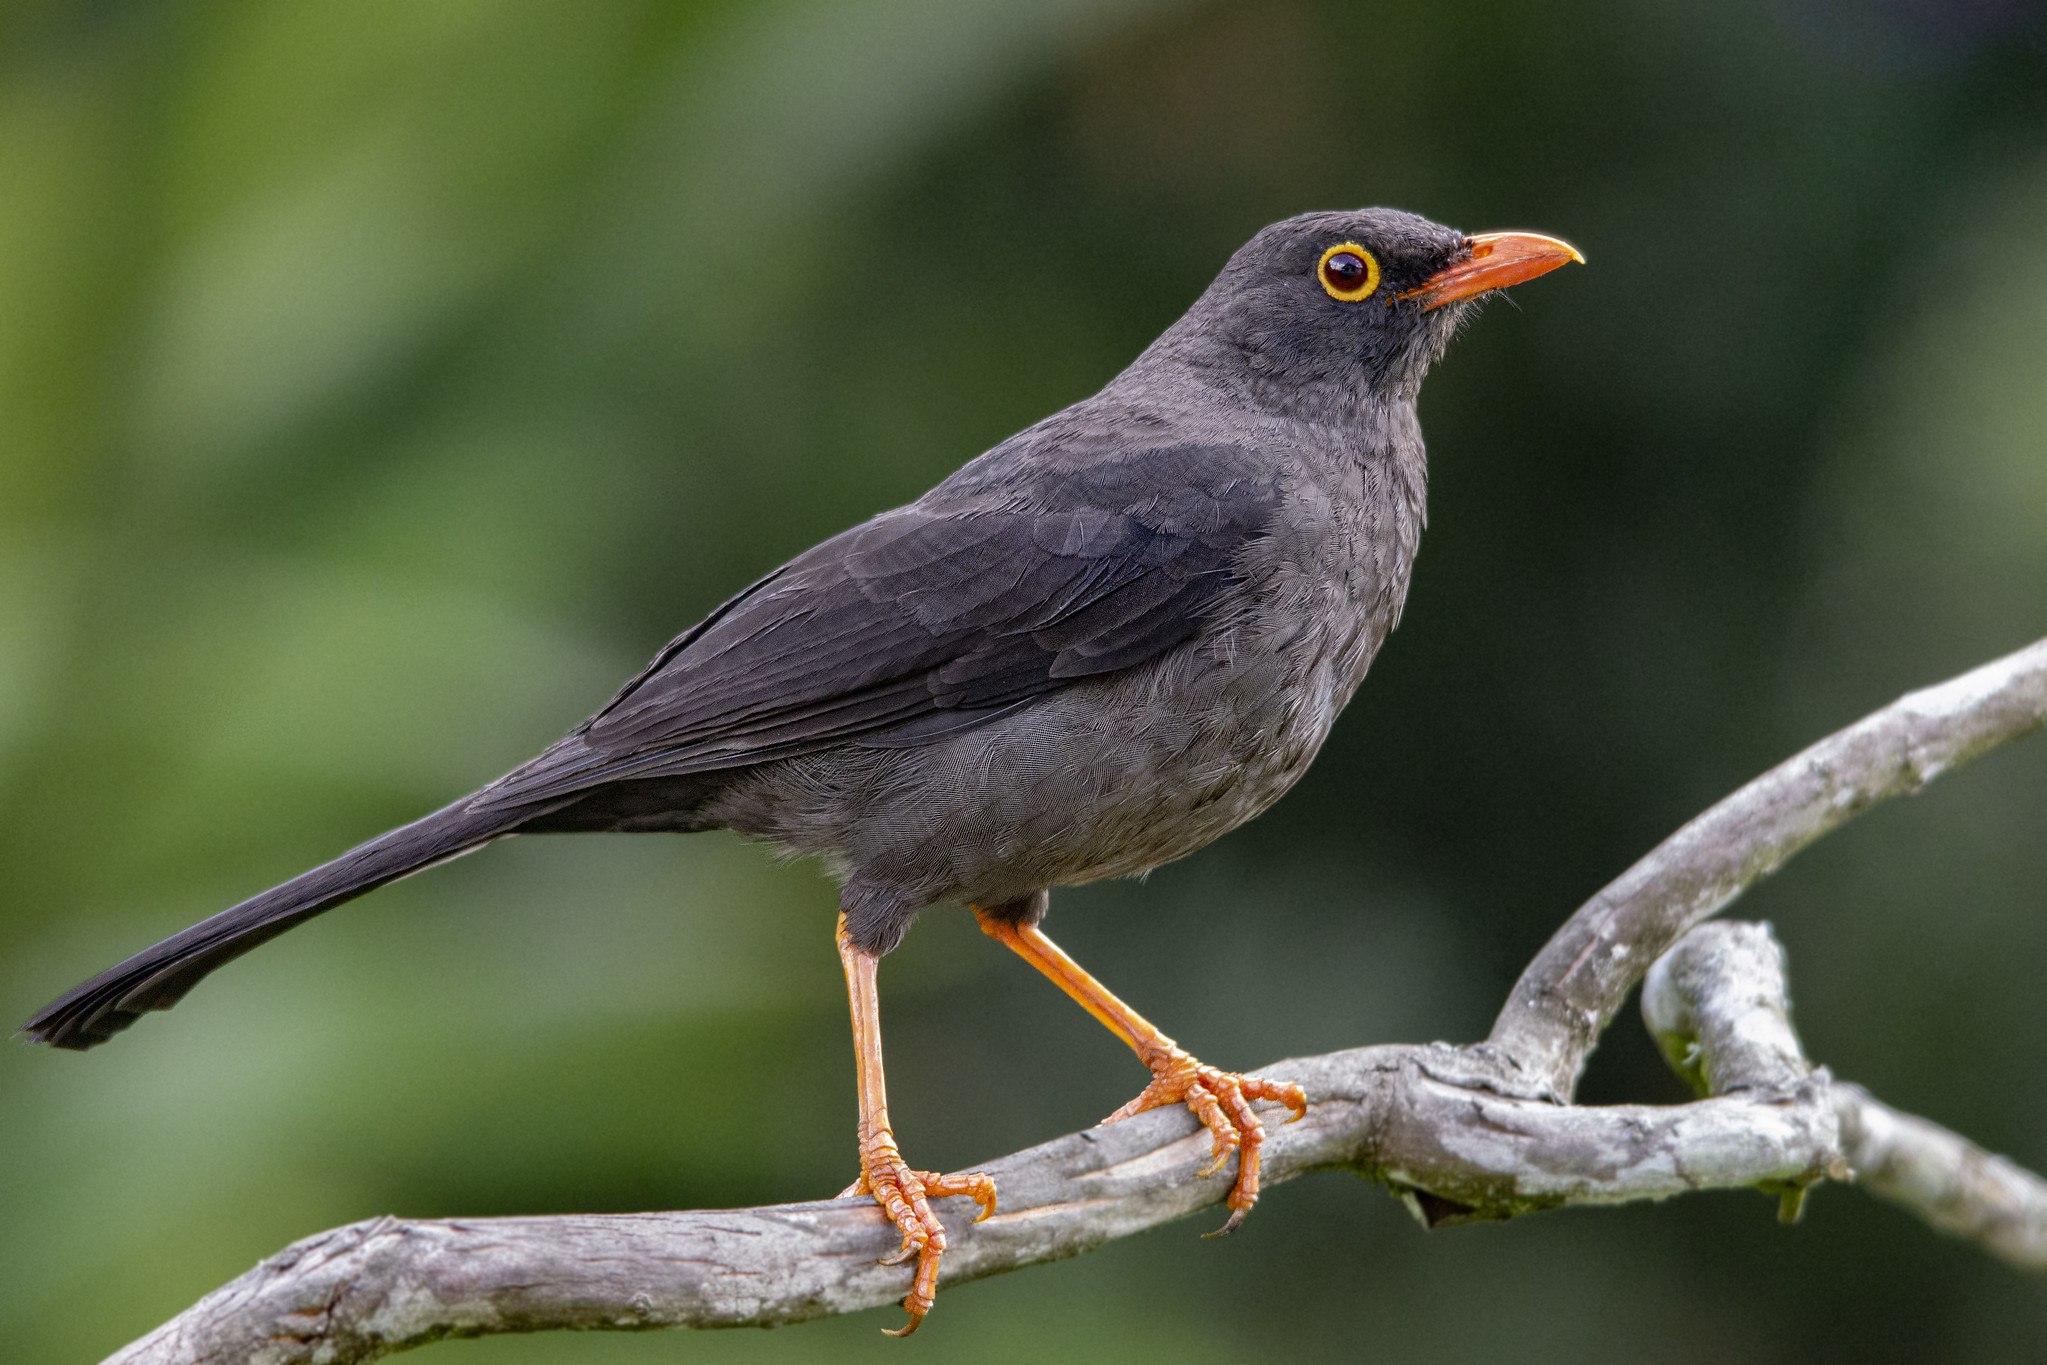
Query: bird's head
x,y
1357,304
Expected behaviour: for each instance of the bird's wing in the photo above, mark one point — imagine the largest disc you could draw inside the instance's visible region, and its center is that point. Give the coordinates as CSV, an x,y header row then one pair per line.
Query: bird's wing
x,y
932,618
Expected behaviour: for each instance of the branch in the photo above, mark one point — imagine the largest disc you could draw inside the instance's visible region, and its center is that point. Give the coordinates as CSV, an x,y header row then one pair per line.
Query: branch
x,y
1944,1178
1405,1115
1718,1005
1460,1134
1576,984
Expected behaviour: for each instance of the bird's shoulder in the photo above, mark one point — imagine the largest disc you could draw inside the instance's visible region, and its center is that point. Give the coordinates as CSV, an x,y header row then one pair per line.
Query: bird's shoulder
x,y
1115,457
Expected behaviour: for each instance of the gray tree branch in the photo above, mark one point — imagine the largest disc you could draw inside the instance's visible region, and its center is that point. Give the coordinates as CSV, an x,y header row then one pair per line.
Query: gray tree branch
x,y
1459,1133
1944,1178
1719,1007
1573,988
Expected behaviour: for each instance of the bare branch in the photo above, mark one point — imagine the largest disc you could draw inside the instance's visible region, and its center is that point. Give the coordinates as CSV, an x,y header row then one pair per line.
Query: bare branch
x,y
1573,988
1460,1134
1406,1115
1944,1178
1718,1006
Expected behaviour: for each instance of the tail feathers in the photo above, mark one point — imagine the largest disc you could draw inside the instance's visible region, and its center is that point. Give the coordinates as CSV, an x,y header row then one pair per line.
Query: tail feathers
x,y
158,977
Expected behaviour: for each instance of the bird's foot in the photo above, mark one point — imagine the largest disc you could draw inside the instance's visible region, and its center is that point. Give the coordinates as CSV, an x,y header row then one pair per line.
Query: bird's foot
x,y
905,1197
1222,1101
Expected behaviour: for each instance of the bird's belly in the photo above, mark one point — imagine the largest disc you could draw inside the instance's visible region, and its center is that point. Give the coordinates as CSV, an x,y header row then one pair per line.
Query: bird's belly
x,y
1189,795
1105,778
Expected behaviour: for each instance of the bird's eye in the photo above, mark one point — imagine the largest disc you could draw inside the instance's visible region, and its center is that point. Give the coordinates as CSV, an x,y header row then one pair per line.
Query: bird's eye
x,y
1348,272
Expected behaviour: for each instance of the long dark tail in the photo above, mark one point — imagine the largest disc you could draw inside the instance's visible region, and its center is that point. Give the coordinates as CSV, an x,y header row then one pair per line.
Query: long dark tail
x,y
157,978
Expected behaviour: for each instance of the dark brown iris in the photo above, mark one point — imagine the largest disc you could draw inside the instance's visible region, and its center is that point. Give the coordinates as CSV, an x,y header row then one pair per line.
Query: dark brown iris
x,y
1345,271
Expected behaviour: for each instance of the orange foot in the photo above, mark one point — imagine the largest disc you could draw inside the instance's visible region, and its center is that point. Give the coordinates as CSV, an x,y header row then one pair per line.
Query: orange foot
x,y
1222,1101
905,1196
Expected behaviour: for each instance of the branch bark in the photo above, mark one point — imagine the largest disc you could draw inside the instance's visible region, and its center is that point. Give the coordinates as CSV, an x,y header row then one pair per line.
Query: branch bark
x,y
1418,1118
1573,988
1459,1133
1719,1007
1944,1178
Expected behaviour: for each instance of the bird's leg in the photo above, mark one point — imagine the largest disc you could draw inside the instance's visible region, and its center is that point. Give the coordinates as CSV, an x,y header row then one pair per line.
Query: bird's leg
x,y
1220,1099
904,1195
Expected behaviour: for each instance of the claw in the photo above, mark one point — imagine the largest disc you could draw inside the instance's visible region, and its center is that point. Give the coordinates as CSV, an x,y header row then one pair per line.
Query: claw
x,y
1230,1224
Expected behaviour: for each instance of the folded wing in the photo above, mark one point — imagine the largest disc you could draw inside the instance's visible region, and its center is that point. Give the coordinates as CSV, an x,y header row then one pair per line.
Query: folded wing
x,y
929,619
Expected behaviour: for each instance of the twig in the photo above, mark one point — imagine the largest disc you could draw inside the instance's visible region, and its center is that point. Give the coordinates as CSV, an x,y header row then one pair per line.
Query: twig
x,y
1573,988
1944,1178
1719,1008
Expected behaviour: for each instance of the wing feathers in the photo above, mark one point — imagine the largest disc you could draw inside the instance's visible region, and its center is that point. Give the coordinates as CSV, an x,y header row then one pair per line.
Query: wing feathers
x,y
933,618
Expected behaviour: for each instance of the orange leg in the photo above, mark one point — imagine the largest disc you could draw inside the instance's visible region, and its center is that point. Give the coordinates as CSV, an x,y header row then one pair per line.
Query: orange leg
x,y
904,1195
1220,1099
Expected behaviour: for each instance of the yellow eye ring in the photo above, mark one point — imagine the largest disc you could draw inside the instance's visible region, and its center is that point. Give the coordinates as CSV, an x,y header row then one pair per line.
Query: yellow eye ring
x,y
1348,272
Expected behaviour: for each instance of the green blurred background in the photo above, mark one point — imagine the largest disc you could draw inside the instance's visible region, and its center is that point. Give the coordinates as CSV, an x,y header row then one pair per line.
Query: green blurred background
x,y
380,384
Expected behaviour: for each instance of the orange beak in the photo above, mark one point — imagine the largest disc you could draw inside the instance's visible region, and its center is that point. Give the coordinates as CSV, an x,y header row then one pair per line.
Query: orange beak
x,y
1497,260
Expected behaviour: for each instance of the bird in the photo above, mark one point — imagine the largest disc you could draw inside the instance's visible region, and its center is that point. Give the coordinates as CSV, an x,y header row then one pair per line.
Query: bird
x,y
1091,650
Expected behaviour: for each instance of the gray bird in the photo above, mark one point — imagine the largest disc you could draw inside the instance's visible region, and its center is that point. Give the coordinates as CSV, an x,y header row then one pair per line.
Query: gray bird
x,y
1117,635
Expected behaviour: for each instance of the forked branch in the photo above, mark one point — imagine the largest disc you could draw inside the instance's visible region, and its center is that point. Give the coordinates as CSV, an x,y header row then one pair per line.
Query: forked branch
x,y
1460,1133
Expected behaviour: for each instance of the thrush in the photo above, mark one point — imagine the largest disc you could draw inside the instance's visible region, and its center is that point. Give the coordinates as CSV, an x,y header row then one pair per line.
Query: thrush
x,y
1112,638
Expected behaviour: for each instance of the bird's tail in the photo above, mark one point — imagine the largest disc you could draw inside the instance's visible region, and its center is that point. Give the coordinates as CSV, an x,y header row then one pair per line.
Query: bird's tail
x,y
157,978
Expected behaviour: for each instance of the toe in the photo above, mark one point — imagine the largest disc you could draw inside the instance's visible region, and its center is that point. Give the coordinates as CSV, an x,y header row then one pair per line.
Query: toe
x,y
923,1294
978,1186
1292,1096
